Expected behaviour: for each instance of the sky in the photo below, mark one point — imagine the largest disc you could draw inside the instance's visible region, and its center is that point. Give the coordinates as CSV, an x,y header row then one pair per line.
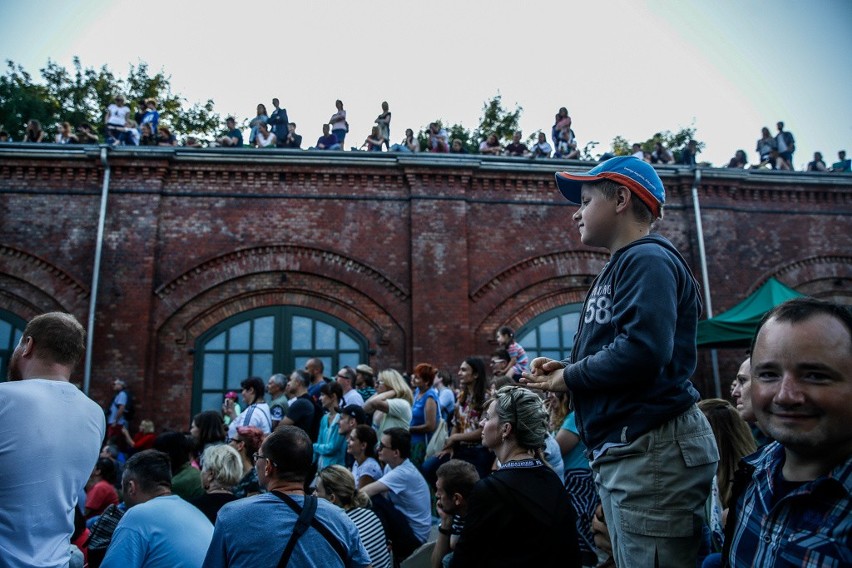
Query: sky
x,y
726,67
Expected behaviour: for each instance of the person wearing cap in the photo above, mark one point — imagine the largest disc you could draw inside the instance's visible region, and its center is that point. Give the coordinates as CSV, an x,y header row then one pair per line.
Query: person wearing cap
x,y
653,452
364,383
351,416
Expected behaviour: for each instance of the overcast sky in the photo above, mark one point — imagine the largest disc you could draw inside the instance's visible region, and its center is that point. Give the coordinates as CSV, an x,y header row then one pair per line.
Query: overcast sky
x,y
631,68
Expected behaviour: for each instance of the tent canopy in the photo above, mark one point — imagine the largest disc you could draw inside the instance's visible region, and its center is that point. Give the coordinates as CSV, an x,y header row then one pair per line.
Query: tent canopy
x,y
735,327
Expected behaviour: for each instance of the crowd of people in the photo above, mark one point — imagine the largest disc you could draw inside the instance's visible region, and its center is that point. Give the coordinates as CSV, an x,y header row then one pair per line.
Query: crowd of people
x,y
274,130
606,458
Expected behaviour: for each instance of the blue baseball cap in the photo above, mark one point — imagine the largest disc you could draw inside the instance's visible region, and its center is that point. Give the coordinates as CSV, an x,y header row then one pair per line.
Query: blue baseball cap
x,y
638,176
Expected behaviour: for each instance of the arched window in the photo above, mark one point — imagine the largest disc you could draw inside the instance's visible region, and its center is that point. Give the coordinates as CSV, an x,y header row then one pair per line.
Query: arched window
x,y
551,334
11,329
265,341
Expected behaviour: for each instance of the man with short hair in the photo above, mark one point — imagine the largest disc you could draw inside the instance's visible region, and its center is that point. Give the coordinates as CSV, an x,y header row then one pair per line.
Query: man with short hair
x,y
402,483
327,141
159,530
257,531
346,379
791,503
786,145
455,481
292,140
516,147
233,138
843,164
52,435
278,122
279,404
315,369
302,411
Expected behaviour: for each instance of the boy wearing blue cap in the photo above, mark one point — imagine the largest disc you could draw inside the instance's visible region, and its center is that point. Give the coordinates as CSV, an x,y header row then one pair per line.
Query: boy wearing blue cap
x,y
651,449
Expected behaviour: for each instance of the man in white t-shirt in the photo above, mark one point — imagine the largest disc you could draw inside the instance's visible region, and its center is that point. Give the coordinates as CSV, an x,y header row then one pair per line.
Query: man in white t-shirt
x,y
402,483
346,377
45,420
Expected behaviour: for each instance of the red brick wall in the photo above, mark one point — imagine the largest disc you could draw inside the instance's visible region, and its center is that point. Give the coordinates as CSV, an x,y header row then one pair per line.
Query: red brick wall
x,y
425,256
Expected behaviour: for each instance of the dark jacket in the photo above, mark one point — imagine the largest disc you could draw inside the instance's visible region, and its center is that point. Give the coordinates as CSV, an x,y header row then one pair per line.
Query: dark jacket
x,y
635,347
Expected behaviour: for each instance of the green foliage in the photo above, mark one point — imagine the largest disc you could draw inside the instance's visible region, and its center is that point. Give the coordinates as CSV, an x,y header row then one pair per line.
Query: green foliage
x,y
83,95
455,131
620,146
673,141
497,120
21,100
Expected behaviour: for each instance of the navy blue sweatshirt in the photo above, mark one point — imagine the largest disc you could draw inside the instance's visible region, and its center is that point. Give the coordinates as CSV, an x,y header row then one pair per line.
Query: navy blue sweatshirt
x,y
635,348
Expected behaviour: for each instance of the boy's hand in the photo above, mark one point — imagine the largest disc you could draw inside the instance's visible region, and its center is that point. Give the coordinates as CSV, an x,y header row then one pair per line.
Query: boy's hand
x,y
545,374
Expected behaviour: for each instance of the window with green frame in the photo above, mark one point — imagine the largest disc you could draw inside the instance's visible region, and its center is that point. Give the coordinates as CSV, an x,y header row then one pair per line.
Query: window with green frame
x,y
11,329
551,334
258,343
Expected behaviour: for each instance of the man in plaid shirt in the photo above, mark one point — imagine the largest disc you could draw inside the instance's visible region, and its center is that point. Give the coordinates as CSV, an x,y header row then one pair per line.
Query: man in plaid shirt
x,y
792,503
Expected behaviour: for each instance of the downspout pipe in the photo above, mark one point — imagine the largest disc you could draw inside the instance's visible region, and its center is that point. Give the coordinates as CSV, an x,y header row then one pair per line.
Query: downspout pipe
x,y
708,303
96,270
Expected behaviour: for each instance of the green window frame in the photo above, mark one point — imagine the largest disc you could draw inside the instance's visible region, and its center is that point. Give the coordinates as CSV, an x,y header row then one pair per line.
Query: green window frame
x,y
551,334
264,341
11,330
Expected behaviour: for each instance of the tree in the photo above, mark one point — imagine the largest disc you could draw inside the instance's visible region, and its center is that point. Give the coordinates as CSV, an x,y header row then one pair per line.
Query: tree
x,y
497,120
455,131
22,100
83,96
673,141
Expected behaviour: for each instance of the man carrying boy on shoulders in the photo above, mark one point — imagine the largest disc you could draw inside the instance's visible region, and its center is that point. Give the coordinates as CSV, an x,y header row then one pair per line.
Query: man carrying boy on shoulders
x,y
653,453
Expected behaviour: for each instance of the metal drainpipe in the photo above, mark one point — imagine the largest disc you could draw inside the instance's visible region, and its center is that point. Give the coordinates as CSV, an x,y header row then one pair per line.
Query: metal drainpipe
x,y
714,356
93,298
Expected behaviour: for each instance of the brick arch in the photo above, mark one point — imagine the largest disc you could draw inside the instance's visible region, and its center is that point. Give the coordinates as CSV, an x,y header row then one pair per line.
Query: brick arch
x,y
520,308
281,259
823,276
531,287
32,285
169,380
535,268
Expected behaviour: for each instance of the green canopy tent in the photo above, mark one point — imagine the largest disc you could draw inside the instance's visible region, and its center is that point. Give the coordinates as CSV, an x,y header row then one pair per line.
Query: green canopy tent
x,y
735,327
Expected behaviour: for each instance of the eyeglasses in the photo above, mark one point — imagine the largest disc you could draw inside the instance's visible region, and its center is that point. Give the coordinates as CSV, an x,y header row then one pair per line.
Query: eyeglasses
x,y
257,456
381,446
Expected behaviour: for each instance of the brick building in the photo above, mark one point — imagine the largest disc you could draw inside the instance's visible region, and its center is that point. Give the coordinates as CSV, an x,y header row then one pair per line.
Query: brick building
x,y
220,264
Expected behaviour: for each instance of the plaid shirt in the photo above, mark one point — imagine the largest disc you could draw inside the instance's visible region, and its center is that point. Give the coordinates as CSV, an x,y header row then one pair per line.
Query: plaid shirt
x,y
810,527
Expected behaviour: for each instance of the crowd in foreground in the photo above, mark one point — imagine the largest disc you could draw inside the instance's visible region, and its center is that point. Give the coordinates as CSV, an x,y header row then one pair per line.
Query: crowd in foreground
x,y
275,130
608,458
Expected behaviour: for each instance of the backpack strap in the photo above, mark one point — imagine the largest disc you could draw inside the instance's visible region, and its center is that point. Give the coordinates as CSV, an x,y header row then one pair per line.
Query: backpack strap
x,y
310,501
302,524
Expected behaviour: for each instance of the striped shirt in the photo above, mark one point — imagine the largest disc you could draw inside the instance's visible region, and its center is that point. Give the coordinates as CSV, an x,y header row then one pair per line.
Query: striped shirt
x,y
810,526
372,536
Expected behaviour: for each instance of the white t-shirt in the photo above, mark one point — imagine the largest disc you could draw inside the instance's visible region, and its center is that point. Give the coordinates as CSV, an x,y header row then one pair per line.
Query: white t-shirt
x,y
410,495
353,397
254,415
370,467
116,115
50,438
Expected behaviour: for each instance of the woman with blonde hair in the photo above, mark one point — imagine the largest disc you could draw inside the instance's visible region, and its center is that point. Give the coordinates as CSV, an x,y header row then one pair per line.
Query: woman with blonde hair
x,y
523,492
222,469
336,484
391,405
